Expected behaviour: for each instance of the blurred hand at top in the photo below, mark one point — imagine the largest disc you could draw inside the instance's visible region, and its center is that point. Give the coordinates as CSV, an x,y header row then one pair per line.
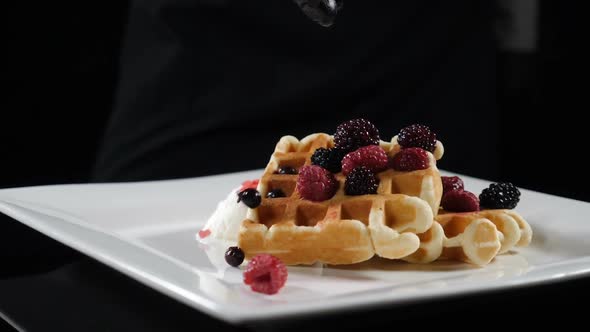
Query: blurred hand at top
x,y
322,12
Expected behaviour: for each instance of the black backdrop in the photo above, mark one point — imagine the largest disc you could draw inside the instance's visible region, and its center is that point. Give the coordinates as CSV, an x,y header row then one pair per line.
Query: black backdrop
x,y
62,70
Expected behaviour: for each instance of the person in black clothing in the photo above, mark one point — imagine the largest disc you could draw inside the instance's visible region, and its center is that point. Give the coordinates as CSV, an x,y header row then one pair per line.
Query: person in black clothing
x,y
209,87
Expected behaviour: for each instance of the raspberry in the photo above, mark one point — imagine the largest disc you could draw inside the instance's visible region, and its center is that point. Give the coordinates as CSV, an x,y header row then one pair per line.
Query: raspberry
x,y
330,159
249,184
503,195
204,233
451,183
316,183
372,157
354,134
361,181
265,274
418,136
460,201
410,159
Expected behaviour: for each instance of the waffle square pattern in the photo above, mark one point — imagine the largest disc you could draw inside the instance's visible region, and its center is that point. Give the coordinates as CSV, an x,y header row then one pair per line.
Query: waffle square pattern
x,y
403,220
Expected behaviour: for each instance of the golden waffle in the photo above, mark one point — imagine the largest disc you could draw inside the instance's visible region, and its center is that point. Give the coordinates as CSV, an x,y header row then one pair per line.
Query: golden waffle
x,y
344,229
425,184
473,237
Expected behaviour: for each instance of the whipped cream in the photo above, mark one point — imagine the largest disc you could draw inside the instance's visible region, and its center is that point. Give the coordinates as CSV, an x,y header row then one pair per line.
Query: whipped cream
x,y
224,223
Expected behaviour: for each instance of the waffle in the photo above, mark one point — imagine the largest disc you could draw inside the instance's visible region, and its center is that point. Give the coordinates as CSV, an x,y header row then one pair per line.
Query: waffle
x,y
344,229
425,184
473,237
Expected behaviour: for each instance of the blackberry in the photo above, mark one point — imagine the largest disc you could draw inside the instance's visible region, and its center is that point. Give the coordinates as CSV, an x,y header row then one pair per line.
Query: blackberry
x,y
330,159
354,134
502,195
417,136
361,181
275,193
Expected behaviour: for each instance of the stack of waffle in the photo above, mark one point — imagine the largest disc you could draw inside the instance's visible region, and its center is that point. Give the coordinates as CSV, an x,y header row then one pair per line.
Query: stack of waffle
x,y
402,220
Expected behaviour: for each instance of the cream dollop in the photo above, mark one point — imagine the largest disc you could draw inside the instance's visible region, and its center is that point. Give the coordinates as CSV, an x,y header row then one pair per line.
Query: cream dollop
x,y
224,223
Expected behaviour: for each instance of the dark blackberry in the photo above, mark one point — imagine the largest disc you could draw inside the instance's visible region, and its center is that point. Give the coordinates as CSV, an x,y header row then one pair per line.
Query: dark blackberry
x,y
361,181
503,195
330,159
287,170
250,197
275,193
353,134
417,136
234,256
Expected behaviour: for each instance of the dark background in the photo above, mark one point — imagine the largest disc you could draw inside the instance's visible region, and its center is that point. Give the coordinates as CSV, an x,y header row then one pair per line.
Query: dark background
x,y
61,72
61,75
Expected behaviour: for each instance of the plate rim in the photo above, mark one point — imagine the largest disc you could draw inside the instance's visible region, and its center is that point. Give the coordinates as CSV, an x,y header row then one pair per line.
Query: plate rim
x,y
577,267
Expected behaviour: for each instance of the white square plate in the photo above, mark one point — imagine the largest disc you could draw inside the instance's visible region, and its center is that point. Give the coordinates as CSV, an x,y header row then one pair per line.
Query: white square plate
x,y
147,231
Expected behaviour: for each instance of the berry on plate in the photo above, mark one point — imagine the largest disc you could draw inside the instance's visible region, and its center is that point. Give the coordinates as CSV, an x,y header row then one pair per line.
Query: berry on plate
x,y
265,274
234,256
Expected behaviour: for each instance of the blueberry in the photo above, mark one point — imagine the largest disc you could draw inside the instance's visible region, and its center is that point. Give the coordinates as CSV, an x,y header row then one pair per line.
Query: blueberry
x,y
250,197
275,193
234,256
287,170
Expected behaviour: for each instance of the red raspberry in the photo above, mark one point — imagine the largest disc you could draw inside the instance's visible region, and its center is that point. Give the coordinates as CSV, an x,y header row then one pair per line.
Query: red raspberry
x,y
316,183
204,233
417,135
249,184
451,183
265,274
460,201
410,159
372,157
